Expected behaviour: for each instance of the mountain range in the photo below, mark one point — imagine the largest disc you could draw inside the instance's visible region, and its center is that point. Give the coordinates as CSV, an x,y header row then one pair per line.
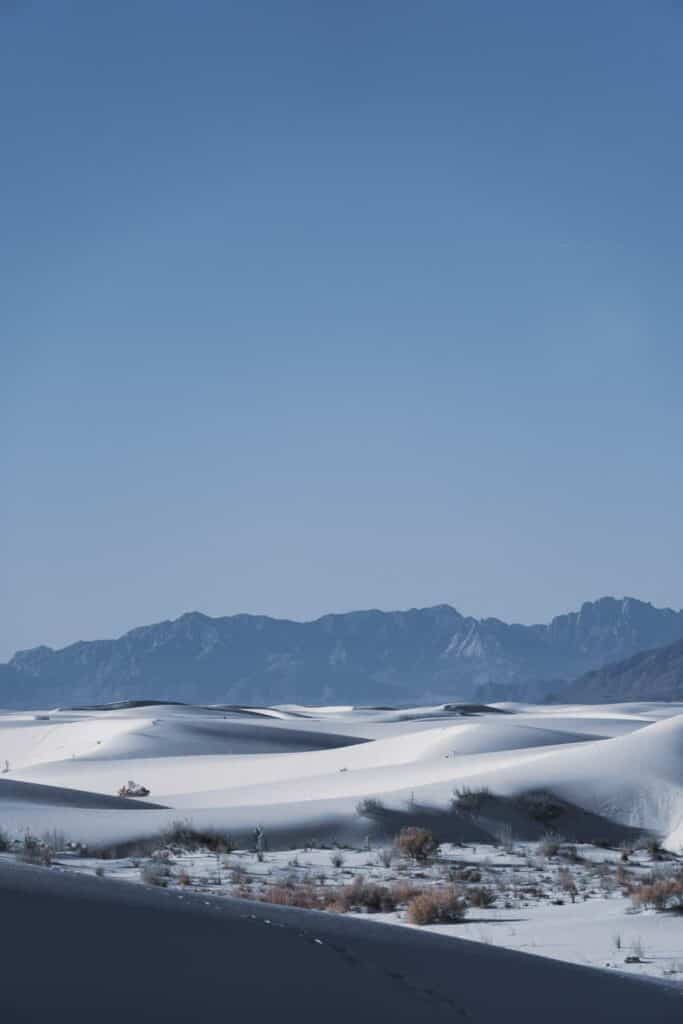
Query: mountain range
x,y
357,657
649,675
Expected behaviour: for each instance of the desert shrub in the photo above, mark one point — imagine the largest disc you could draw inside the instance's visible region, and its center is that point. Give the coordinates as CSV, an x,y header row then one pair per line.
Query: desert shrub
x,y
368,896
370,808
155,872
35,851
504,836
653,845
305,897
480,896
540,805
660,893
5,841
183,836
550,845
467,873
238,873
404,891
416,843
622,876
566,882
56,840
469,800
437,906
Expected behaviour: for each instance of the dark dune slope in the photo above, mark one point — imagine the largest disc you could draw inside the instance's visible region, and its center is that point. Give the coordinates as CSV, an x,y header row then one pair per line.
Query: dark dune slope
x,y
14,791
79,949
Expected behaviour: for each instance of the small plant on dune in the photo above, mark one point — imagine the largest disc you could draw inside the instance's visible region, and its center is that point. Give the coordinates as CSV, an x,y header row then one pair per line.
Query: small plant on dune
x,y
155,872
540,805
56,840
567,883
437,906
625,851
550,845
370,808
362,895
385,856
505,838
480,896
238,873
654,847
404,891
417,843
35,851
183,836
305,897
464,873
622,876
470,801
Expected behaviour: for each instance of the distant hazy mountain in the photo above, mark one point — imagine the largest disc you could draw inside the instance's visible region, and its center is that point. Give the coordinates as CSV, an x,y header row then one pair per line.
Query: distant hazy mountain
x,y
367,656
649,675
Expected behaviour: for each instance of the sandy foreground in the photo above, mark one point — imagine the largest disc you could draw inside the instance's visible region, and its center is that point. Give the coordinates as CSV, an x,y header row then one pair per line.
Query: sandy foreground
x,y
79,949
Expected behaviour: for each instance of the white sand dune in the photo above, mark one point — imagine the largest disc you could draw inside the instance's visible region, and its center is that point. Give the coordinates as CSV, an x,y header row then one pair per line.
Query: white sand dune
x,y
308,768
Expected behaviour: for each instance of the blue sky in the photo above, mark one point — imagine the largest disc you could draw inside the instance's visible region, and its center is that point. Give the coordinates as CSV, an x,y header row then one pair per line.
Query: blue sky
x,y
307,307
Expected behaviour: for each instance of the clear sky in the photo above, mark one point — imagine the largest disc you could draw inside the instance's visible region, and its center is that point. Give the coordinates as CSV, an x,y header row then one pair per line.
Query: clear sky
x,y
312,306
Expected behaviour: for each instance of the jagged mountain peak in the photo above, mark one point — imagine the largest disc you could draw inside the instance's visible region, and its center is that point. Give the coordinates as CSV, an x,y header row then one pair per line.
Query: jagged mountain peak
x,y
425,653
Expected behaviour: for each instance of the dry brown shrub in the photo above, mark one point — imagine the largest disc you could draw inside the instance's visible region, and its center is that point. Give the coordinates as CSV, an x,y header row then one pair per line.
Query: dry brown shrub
x,y
303,896
659,893
437,906
480,896
417,843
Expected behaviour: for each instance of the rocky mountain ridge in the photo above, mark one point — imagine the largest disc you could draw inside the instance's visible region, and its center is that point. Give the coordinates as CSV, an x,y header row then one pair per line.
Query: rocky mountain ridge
x,y
356,657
